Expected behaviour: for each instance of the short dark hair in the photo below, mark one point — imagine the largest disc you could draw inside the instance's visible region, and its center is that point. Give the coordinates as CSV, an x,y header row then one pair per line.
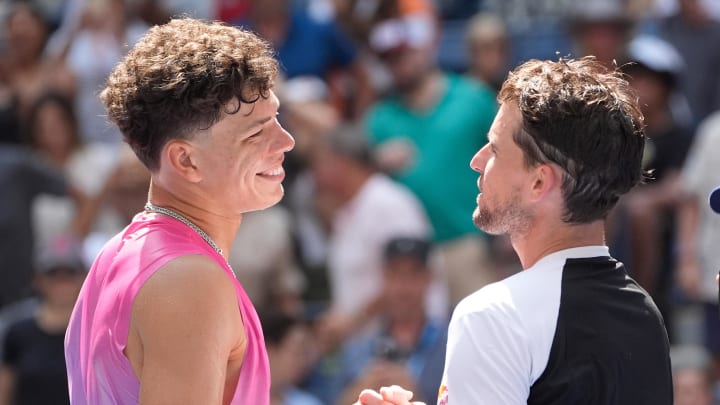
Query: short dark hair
x,y
583,117
180,77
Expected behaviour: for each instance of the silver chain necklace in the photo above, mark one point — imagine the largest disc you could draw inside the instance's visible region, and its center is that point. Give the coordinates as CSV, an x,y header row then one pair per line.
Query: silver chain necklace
x,y
149,207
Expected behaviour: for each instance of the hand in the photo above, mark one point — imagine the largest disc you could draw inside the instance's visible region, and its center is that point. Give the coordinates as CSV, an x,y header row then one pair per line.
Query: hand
x,y
393,395
395,155
332,329
377,374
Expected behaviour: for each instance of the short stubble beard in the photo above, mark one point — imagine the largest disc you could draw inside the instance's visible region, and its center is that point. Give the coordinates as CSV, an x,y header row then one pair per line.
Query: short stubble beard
x,y
510,218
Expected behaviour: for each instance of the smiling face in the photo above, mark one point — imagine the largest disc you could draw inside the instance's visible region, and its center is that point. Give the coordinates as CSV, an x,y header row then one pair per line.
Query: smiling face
x,y
240,158
503,177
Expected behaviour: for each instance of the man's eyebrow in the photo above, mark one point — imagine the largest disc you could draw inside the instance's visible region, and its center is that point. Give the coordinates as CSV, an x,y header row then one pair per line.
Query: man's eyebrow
x,y
262,121
259,122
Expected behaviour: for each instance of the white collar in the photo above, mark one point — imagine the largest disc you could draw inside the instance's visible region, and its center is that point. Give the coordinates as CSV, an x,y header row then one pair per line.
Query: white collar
x,y
573,253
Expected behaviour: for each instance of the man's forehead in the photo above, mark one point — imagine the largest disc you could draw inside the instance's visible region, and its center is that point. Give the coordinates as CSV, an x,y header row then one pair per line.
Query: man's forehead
x,y
261,111
263,104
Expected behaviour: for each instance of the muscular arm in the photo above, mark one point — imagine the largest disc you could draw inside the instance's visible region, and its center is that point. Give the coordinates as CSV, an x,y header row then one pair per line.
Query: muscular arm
x,y
188,324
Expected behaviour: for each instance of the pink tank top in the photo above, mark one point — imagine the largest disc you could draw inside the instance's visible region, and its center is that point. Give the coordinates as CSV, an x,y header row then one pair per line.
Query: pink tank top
x,y
98,371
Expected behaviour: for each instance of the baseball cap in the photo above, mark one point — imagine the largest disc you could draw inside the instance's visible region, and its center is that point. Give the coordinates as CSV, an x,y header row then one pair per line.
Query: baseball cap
x,y
411,31
414,247
60,253
656,54
599,11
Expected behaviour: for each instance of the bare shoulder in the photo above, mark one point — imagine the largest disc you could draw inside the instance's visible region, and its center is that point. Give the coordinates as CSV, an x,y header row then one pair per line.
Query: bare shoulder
x,y
189,277
188,293
185,328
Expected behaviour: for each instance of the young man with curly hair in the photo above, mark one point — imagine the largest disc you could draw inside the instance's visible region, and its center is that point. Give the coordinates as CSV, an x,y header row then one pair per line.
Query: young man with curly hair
x,y
572,327
161,318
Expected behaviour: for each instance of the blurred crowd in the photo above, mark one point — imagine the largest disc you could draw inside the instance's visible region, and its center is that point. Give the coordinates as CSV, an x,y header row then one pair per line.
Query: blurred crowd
x,y
356,272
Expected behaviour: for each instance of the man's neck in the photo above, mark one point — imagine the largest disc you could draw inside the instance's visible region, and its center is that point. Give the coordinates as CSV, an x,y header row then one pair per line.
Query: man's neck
x,y
427,93
203,213
544,239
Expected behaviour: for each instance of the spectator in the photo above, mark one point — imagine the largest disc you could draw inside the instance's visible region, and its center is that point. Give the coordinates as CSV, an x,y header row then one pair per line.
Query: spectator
x,y
369,209
359,16
53,133
124,193
423,133
408,349
308,46
488,50
28,73
694,33
289,345
651,207
263,260
601,28
105,33
699,231
23,177
33,363
307,113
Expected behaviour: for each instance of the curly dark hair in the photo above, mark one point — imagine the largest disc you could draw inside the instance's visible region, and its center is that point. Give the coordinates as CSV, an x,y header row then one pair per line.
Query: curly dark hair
x,y
583,117
181,77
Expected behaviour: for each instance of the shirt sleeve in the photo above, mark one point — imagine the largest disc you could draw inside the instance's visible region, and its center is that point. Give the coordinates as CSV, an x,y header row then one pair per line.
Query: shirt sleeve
x,y
488,360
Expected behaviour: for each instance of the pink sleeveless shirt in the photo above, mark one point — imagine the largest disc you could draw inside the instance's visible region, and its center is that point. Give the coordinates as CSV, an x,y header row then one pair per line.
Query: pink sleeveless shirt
x,y
98,371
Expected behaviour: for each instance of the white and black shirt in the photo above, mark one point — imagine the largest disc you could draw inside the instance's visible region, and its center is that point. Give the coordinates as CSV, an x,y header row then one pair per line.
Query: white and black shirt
x,y
572,329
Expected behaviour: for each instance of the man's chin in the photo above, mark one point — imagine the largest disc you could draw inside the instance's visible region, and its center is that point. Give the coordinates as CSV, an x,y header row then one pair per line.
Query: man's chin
x,y
476,217
266,202
484,222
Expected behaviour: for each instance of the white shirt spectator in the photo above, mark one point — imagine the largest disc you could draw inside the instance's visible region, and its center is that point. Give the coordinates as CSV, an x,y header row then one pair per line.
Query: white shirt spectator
x,y
381,210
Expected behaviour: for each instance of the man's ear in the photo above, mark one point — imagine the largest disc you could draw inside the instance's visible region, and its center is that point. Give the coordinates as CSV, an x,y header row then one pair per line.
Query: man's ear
x,y
545,180
180,157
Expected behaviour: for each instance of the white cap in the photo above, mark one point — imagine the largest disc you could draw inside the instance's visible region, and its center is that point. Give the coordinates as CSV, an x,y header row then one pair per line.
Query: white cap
x,y
656,54
412,31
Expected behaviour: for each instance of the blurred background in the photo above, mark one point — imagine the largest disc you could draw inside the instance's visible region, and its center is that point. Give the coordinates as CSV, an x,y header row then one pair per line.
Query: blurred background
x,y
356,272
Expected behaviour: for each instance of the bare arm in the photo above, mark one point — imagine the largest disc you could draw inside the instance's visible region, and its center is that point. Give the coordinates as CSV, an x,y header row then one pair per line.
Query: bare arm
x,y
688,271
7,381
188,323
